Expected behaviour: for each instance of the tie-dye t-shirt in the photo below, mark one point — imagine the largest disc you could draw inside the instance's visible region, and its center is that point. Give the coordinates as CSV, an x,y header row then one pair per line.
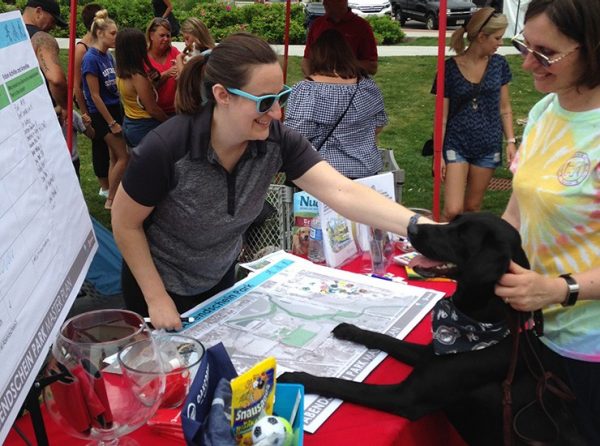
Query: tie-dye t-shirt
x,y
557,184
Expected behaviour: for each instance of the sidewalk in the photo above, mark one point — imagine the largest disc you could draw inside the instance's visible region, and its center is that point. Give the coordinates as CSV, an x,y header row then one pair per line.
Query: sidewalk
x,y
383,51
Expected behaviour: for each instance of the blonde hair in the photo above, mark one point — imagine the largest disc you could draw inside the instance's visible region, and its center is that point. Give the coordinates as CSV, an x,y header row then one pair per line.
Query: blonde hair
x,y
153,25
486,21
200,32
101,22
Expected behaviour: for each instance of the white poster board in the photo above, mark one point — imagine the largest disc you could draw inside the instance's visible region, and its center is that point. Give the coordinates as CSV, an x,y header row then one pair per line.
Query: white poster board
x,y
46,236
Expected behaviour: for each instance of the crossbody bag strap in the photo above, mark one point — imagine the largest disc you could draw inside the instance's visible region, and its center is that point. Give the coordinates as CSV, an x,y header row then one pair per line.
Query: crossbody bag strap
x,y
340,118
474,94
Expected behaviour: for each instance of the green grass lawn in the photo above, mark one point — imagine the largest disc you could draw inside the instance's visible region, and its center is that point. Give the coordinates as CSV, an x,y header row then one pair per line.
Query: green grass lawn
x,y
405,82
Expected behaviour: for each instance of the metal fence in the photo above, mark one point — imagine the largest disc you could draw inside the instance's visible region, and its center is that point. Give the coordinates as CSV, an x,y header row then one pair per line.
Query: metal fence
x,y
276,232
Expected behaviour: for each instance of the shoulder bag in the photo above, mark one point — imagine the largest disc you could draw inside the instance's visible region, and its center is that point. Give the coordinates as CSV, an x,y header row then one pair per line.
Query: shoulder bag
x,y
340,118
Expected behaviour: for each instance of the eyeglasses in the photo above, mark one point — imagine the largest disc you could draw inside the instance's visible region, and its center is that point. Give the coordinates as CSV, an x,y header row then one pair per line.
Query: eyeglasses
x,y
541,58
266,102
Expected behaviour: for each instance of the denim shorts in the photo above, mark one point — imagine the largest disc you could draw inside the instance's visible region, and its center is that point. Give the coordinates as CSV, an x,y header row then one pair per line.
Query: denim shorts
x,y
491,161
136,129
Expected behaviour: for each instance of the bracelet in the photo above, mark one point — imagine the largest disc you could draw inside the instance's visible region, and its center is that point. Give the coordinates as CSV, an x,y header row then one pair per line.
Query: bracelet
x,y
573,290
112,124
511,141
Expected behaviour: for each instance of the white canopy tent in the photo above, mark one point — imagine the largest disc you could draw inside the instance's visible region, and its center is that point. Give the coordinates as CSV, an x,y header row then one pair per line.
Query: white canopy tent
x,y
514,10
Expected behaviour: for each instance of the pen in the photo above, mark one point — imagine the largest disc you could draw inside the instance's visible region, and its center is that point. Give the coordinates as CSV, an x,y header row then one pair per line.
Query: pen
x,y
377,276
187,320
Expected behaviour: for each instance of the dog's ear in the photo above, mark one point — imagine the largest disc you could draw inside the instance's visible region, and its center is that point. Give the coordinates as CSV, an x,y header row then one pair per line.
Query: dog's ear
x,y
488,260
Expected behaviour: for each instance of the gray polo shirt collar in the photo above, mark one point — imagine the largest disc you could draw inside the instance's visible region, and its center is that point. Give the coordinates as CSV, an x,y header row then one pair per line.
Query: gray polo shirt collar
x,y
201,125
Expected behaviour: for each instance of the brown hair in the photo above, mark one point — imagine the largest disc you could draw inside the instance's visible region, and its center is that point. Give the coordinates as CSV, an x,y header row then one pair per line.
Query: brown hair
x,y
88,13
131,53
578,20
331,55
200,31
486,21
153,25
230,64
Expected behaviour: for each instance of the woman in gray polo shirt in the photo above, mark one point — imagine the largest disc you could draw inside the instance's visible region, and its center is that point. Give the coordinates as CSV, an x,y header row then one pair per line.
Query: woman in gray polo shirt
x,y
196,182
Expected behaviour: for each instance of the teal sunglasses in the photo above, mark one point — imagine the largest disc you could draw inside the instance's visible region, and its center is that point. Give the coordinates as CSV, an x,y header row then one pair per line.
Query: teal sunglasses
x,y
264,103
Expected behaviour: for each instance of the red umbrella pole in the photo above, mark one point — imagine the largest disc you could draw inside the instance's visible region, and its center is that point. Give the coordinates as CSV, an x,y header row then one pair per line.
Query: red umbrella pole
x,y
439,111
71,71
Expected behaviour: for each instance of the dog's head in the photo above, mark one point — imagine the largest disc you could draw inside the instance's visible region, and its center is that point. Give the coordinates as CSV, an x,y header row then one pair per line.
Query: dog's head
x,y
191,51
472,248
303,233
475,249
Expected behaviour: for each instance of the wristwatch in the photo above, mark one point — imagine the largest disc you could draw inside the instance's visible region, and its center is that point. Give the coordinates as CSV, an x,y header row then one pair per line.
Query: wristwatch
x,y
413,219
573,292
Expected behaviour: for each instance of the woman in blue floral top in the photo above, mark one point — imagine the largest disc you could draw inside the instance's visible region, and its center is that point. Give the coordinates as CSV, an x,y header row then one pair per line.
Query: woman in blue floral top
x,y
477,112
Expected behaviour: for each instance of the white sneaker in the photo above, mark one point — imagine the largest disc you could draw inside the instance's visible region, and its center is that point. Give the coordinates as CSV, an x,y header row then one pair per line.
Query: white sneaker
x,y
103,193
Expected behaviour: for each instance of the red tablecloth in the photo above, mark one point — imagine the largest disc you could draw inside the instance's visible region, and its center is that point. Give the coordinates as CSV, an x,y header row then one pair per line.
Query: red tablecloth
x,y
349,425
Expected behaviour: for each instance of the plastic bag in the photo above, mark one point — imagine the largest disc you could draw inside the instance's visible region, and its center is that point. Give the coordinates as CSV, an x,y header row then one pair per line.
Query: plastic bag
x,y
215,365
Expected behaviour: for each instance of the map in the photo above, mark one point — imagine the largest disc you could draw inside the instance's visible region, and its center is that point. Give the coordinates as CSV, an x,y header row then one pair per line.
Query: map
x,y
288,309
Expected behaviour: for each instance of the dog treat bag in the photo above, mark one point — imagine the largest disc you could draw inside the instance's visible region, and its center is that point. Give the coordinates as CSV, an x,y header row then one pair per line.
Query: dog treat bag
x,y
252,397
306,207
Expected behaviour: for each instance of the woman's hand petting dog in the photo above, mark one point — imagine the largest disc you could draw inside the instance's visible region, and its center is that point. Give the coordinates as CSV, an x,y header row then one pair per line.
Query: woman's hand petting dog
x,y
526,290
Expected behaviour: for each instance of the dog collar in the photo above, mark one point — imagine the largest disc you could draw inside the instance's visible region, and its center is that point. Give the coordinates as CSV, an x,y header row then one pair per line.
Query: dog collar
x,y
455,332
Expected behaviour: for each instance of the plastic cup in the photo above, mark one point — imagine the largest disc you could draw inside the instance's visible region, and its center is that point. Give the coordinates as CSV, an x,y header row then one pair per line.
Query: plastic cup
x,y
180,356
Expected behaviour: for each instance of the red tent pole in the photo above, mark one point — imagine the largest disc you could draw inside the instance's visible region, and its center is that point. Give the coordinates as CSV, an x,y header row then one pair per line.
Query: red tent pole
x,y
71,72
439,111
286,39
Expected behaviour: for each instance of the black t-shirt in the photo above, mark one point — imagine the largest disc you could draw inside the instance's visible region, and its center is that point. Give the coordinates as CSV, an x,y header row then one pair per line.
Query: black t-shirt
x,y
200,209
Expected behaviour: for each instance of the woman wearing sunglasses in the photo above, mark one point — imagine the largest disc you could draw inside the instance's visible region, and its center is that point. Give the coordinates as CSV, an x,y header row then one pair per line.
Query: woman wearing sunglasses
x,y
477,112
200,179
555,201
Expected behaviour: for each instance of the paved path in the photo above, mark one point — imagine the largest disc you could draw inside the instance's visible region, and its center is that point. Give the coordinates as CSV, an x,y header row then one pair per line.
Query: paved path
x,y
384,51
412,29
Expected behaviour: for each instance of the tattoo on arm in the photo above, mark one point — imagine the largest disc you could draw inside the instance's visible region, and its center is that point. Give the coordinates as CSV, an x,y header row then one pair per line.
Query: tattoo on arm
x,y
46,50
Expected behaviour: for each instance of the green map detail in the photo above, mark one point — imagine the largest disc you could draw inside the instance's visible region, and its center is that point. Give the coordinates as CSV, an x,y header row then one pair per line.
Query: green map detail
x,y
3,97
299,337
24,83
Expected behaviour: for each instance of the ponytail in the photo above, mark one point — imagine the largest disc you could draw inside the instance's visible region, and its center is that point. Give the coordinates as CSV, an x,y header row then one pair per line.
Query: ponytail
x,y
190,96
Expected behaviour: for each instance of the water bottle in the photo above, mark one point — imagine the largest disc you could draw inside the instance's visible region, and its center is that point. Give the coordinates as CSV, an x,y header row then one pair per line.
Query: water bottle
x,y
315,242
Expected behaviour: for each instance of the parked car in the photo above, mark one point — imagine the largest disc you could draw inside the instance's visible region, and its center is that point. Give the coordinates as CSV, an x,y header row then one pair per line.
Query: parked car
x,y
427,11
362,8
498,5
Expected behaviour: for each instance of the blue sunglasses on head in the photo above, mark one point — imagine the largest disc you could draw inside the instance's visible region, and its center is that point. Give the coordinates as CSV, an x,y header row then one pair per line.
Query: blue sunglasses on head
x,y
266,102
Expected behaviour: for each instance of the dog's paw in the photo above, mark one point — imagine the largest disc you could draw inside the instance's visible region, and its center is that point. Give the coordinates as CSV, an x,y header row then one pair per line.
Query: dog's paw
x,y
293,377
346,332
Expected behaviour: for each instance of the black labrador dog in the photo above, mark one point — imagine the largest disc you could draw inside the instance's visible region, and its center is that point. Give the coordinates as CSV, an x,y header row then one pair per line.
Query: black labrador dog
x,y
467,370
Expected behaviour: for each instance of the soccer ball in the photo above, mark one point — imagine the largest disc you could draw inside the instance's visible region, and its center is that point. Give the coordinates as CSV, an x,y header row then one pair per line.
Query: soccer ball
x,y
272,431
